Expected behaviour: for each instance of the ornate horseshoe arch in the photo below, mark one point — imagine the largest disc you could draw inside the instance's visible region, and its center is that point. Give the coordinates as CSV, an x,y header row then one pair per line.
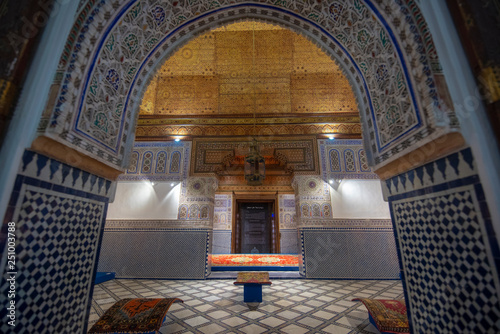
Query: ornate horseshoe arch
x,y
391,70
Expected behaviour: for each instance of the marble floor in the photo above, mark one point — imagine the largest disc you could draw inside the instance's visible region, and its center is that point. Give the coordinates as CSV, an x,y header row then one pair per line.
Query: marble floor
x,y
289,305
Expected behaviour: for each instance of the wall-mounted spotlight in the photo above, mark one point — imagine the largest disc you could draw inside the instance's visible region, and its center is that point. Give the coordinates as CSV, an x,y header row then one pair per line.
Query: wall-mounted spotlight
x,y
177,139
172,184
331,137
335,183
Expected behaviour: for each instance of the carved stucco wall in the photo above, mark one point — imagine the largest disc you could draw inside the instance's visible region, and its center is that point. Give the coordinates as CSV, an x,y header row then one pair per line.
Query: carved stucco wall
x,y
312,199
344,159
158,161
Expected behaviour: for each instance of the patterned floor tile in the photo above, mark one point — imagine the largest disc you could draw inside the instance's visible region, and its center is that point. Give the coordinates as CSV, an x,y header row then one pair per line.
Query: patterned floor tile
x,y
253,329
294,329
210,329
216,306
334,329
311,322
272,322
196,321
253,314
218,314
235,321
288,314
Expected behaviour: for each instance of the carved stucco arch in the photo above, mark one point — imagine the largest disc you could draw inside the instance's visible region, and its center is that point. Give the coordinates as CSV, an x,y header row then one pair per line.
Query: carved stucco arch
x,y
98,30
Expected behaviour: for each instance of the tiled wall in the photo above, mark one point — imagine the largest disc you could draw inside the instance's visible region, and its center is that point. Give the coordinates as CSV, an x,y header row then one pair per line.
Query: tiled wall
x,y
221,242
58,212
223,223
349,249
155,249
289,241
223,212
288,224
447,246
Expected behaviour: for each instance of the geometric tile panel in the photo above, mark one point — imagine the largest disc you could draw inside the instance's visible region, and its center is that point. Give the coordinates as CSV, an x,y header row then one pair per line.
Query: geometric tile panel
x,y
64,178
447,246
288,241
57,238
197,199
159,253
350,254
288,306
221,242
344,159
158,161
348,224
455,166
223,215
446,263
287,216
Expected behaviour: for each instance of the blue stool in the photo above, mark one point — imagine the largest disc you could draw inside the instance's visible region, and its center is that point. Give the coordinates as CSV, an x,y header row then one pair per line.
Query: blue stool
x,y
252,286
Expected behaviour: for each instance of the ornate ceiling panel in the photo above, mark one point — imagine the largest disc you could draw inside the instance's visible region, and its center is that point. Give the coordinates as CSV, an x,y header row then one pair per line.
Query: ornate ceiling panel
x,y
243,70
225,157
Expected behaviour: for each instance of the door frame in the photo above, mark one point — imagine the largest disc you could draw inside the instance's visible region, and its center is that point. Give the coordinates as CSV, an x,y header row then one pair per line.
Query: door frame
x,y
246,198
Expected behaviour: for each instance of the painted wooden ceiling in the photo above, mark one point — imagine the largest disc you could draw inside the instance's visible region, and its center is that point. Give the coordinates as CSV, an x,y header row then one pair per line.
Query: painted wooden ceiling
x,y
248,79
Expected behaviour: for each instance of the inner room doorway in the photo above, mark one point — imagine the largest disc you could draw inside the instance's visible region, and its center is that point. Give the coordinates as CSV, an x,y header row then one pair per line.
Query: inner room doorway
x,y
256,227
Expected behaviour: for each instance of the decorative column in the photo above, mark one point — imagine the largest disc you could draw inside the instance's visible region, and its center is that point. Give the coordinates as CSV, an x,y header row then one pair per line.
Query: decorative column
x,y
196,208
222,227
55,219
312,204
448,250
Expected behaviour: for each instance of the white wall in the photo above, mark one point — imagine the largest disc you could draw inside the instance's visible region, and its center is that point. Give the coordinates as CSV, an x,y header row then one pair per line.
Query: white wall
x,y
359,199
142,200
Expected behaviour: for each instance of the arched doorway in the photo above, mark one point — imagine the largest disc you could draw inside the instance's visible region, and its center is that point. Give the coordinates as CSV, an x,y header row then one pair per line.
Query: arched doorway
x,y
69,125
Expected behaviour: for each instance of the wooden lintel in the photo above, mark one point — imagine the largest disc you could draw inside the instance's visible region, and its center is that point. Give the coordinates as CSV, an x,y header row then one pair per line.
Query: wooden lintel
x,y
60,152
429,152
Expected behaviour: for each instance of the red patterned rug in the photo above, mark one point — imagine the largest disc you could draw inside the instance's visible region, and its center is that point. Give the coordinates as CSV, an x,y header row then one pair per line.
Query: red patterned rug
x,y
389,316
263,261
134,315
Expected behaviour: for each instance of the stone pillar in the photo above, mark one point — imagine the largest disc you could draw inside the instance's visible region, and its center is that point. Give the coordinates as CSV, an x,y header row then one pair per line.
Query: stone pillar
x,y
196,205
223,223
55,218
312,203
448,251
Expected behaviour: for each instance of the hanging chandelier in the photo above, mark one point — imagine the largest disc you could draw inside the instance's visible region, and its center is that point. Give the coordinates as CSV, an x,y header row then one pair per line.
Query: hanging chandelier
x,y
255,167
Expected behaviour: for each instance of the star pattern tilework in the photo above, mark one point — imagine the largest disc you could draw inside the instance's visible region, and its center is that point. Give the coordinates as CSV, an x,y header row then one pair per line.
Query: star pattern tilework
x,y
289,306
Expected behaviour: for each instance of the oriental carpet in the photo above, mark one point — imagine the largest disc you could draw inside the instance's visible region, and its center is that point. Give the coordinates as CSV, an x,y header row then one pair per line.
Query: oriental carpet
x,y
259,262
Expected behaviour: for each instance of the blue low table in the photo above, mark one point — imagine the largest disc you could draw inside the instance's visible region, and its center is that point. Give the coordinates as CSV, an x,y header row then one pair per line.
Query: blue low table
x,y
252,285
101,277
